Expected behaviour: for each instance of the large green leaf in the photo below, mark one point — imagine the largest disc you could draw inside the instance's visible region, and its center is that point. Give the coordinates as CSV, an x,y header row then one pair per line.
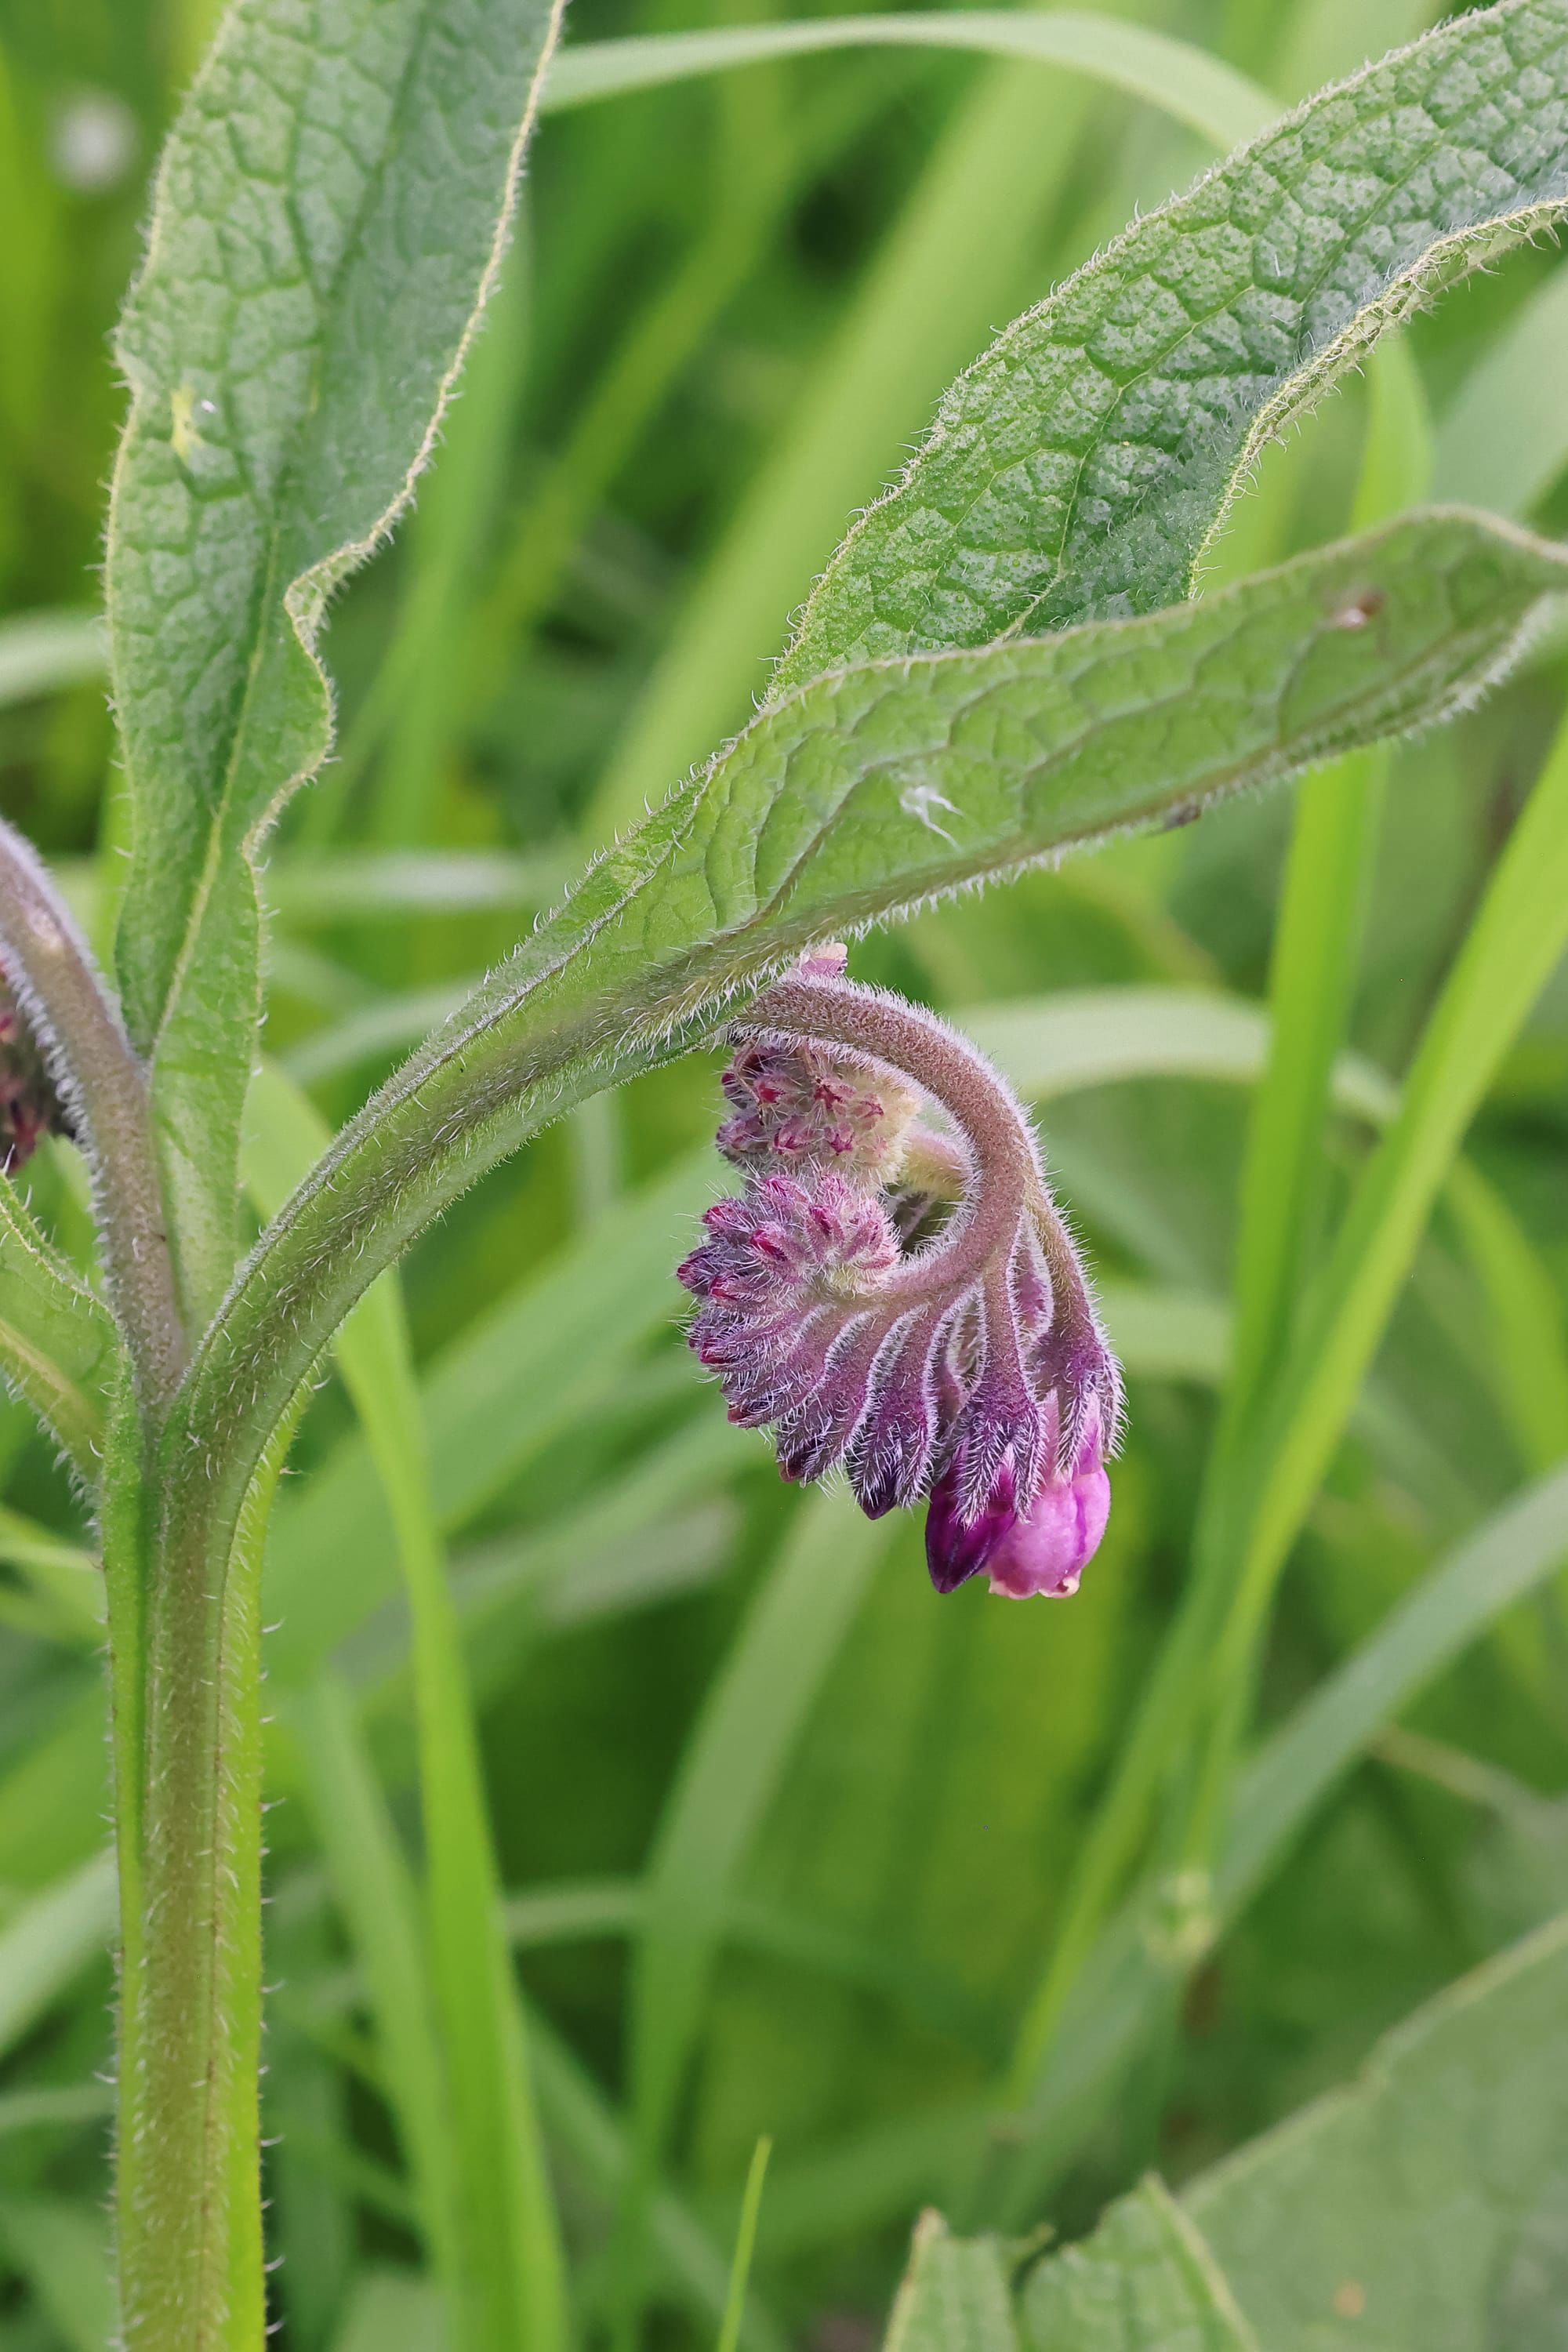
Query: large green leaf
x,y
1421,2206
864,793
327,225
1082,465
955,2298
1145,2280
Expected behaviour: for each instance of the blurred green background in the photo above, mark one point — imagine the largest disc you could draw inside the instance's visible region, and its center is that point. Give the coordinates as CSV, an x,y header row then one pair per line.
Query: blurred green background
x,y
727,314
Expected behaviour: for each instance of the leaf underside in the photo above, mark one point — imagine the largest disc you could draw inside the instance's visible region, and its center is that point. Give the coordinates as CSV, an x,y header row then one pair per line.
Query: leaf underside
x,y
1082,465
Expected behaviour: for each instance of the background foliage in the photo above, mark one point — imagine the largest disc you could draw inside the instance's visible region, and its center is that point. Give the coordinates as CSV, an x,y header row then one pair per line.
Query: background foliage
x,y
786,1837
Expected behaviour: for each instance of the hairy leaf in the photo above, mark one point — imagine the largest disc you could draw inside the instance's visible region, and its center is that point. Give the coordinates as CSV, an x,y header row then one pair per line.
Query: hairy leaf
x,y
868,791
1082,465
1145,2280
954,2298
1422,2205
327,224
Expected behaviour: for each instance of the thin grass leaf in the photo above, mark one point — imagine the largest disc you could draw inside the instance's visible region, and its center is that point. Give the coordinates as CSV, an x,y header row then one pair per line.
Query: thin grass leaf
x,y
692,2265
1172,76
745,2244
46,1944
393,2311
67,1579
753,1715
360,886
1503,439
522,1372
375,1890
1505,1558
1518,936
63,2252
507,2271
1316,956
42,652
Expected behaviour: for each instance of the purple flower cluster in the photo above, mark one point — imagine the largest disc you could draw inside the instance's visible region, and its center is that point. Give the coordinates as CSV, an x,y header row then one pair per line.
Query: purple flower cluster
x,y
969,1370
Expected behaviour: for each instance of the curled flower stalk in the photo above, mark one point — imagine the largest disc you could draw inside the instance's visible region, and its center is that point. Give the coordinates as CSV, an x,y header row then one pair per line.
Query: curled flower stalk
x,y
965,1368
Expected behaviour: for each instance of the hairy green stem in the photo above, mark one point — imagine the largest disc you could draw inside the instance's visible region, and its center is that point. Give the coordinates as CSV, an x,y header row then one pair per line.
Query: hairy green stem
x,y
189,2189
50,966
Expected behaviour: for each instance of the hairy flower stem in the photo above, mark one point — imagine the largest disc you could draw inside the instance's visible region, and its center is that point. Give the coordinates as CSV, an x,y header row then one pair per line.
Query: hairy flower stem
x,y
1005,1178
50,967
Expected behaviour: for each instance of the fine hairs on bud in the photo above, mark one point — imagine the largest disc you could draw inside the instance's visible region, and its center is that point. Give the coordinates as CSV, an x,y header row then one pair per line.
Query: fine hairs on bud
x,y
965,1368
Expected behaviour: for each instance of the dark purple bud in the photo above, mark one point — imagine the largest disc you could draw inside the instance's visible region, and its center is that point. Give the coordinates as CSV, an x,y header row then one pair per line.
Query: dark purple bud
x,y
29,1107
958,1546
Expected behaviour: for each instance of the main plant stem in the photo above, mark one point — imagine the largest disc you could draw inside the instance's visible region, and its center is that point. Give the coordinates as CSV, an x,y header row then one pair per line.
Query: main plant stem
x,y
189,2191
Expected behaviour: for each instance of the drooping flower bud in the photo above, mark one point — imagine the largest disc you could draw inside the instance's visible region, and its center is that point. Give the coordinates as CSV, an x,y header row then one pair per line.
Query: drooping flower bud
x,y
968,1367
30,1105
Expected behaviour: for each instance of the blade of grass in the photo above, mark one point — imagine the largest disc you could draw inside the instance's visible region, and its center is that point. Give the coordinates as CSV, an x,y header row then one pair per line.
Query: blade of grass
x,y
42,652
549,1350
51,1940
746,2245
1503,439
376,1894
589,2134
1316,948
750,1719
62,2250
511,2268
1179,79
1504,1560
1517,940
1528,1350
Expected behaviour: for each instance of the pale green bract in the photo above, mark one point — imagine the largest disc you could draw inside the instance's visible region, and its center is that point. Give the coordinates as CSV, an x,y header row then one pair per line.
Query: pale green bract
x,y
1082,465
328,221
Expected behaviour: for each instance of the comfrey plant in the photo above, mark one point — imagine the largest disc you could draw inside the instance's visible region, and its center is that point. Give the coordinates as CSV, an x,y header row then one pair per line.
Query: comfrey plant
x,y
1005,661
970,1368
